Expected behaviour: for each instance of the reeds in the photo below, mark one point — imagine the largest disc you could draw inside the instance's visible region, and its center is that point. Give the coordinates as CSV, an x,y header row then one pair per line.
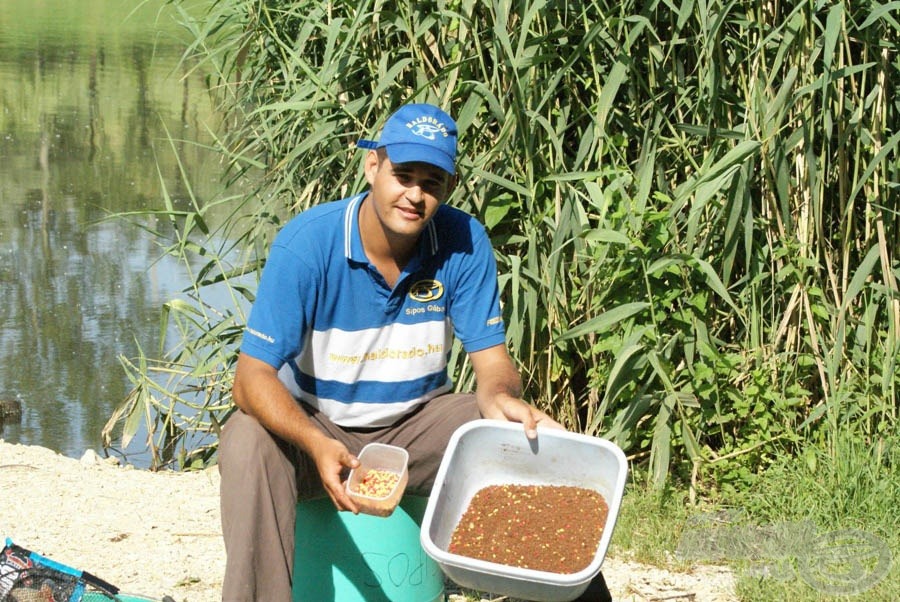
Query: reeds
x,y
694,204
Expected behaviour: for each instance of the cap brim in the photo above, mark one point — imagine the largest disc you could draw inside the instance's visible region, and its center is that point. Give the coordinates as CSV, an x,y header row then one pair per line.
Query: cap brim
x,y
406,152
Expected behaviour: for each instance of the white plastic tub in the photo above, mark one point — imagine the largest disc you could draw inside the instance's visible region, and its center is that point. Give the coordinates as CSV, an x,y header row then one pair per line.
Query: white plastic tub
x,y
491,452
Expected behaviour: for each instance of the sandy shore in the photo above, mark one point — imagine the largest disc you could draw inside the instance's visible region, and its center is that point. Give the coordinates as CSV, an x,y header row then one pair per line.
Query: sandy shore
x,y
156,534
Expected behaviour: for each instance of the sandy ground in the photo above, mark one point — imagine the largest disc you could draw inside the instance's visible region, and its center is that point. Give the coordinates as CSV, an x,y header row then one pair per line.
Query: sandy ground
x,y
155,534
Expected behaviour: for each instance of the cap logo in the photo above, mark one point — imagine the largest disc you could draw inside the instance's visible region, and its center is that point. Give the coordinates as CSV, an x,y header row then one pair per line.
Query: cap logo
x,y
427,127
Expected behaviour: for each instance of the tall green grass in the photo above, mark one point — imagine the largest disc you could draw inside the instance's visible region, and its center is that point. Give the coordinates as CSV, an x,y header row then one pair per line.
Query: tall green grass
x,y
693,204
849,485
821,525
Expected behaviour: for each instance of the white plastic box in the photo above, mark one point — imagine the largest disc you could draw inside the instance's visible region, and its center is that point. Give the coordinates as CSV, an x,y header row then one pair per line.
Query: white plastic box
x,y
492,452
378,456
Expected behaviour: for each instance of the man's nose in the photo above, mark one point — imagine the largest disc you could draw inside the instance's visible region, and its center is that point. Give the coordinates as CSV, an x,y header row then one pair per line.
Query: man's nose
x,y
414,194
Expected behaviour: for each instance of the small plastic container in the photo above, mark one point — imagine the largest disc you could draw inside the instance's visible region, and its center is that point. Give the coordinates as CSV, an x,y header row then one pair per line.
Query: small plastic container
x,y
378,456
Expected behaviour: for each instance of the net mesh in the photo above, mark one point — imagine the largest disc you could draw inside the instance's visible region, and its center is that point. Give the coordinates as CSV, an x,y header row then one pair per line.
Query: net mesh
x,y
28,577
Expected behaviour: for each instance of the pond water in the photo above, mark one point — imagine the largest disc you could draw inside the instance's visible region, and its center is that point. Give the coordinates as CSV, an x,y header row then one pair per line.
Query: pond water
x,y
91,93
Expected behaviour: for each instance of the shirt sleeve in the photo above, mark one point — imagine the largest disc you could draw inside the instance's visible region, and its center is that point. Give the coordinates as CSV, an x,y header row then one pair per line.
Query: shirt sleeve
x,y
475,309
281,312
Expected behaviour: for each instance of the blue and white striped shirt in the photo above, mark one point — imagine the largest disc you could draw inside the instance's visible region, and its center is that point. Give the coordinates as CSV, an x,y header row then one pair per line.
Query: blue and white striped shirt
x,y
344,341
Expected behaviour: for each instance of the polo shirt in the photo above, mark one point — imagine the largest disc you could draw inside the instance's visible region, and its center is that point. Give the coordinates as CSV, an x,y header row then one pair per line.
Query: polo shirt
x,y
346,343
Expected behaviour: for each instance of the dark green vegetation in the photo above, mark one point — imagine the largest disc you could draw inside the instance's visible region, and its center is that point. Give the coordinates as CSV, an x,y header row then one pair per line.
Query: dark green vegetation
x,y
694,207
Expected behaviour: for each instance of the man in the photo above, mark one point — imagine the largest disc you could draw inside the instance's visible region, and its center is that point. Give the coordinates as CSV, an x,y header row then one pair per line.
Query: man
x,y
347,343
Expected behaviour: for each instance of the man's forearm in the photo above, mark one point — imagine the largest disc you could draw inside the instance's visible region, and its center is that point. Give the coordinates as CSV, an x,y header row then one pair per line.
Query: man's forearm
x,y
498,381
259,392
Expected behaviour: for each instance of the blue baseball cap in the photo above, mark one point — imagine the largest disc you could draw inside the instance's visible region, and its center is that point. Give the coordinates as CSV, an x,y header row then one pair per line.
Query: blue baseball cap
x,y
418,132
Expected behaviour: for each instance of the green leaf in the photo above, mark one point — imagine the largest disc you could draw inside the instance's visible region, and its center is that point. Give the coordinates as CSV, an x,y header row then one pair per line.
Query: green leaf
x,y
832,31
712,280
496,210
609,90
606,320
661,448
690,442
608,236
618,376
860,277
504,183
884,11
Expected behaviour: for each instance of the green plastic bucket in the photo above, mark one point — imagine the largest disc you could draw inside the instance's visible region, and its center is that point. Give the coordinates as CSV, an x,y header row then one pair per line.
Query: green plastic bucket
x,y
342,557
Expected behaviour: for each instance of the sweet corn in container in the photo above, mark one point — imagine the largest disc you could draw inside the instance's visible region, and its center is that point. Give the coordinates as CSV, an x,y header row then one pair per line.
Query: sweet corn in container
x,y
379,481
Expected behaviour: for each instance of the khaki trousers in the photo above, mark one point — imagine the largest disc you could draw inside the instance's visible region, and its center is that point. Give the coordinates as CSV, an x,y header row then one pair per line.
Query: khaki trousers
x,y
263,477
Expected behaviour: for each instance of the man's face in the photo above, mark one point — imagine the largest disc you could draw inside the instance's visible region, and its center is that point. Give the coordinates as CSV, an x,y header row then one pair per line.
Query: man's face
x,y
405,195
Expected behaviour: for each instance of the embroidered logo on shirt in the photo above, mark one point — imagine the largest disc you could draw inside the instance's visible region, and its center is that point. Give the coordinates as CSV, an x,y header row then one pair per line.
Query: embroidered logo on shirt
x,y
424,291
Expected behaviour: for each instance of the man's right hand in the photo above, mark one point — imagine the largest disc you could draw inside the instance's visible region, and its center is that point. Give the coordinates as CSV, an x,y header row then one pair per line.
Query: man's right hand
x,y
331,458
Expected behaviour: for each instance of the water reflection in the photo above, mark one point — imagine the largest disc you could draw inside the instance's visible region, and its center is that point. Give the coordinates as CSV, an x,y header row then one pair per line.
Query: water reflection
x,y
88,98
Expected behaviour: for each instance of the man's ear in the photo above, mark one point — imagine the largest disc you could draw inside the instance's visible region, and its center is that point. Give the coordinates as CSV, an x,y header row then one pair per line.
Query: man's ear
x,y
370,166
